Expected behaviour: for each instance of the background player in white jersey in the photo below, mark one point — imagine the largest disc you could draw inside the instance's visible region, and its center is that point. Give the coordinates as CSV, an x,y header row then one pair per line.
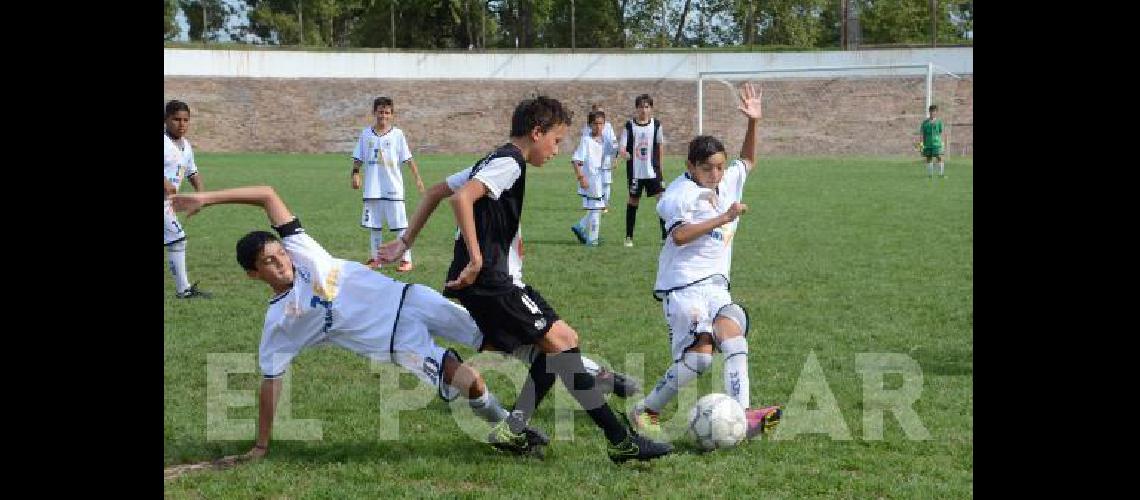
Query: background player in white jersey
x,y
587,161
177,164
382,149
319,299
641,141
607,160
701,208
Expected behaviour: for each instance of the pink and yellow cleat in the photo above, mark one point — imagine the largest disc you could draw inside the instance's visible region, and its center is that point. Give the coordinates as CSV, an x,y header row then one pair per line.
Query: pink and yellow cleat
x,y
763,420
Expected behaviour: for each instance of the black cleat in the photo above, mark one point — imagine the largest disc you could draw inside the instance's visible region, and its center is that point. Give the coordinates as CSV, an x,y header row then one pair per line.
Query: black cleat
x,y
193,293
637,447
623,386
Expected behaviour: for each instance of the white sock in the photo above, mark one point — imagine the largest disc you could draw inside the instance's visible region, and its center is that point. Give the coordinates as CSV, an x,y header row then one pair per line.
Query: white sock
x,y
736,381
606,194
930,169
375,239
681,373
488,407
594,225
408,252
177,255
941,168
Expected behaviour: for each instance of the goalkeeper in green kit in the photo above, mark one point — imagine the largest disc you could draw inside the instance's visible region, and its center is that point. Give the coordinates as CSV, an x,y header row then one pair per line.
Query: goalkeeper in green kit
x,y
931,131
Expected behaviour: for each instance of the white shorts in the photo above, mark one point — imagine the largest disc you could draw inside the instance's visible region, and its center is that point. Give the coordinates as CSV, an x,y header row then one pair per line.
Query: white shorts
x,y
593,197
427,314
690,311
608,176
384,211
171,229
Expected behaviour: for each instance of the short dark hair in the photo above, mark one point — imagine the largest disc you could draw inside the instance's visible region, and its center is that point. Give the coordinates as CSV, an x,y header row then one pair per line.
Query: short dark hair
x,y
542,112
594,116
702,147
249,247
933,107
174,106
643,98
382,101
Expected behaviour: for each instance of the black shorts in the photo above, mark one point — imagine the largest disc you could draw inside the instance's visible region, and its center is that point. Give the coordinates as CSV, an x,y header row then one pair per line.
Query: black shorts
x,y
520,317
652,187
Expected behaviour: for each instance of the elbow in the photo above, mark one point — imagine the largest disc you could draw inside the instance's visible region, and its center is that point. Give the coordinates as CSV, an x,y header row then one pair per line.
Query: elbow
x,y
439,192
457,200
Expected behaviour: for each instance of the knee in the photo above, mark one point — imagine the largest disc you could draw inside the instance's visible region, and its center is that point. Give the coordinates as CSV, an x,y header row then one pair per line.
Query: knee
x,y
698,362
463,377
560,338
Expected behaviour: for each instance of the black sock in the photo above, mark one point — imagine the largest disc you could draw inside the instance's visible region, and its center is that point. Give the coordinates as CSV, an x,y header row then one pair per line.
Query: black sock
x,y
630,218
662,221
568,366
538,383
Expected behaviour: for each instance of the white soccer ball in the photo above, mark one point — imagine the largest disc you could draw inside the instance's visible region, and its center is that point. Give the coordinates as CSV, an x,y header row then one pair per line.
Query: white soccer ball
x,y
717,421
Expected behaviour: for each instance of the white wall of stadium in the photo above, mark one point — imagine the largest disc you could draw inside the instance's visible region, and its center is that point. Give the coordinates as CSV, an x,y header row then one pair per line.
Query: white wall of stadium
x,y
534,66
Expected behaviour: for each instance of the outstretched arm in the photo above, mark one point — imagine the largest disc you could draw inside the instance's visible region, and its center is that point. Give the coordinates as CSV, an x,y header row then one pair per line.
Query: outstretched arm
x,y
267,408
262,196
750,105
394,250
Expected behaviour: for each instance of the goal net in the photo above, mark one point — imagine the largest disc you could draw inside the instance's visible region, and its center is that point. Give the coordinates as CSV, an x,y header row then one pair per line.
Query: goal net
x,y
841,110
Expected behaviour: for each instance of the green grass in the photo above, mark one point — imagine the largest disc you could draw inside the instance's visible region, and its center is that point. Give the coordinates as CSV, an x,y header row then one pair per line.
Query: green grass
x,y
836,257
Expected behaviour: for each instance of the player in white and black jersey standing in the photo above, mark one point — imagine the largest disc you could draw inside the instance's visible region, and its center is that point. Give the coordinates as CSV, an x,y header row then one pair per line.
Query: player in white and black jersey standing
x,y
382,149
487,200
320,300
641,140
701,208
177,164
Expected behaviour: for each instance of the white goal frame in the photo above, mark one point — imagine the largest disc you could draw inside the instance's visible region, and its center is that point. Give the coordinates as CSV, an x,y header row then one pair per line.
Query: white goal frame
x,y
929,68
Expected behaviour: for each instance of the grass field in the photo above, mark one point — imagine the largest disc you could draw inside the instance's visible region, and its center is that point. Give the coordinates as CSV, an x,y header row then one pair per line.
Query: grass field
x,y
837,257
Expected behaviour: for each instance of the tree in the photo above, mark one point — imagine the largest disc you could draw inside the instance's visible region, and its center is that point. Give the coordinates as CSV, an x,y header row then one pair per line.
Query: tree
x,y
169,24
596,25
908,21
217,14
797,23
681,24
322,23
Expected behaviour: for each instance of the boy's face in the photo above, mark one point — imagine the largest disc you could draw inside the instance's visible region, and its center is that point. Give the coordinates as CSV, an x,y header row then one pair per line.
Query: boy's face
x,y
708,173
384,115
933,114
545,144
598,125
273,266
644,111
178,123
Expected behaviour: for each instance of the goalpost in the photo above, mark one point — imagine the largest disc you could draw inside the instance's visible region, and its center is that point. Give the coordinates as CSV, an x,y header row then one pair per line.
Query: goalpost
x,y
861,109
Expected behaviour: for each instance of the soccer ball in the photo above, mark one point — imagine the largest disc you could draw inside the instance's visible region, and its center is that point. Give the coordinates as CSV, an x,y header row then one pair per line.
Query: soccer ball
x,y
717,421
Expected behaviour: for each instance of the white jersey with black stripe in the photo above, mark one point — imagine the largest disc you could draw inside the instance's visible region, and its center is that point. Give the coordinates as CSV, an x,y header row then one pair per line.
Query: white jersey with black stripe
x,y
382,156
332,301
177,160
686,202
